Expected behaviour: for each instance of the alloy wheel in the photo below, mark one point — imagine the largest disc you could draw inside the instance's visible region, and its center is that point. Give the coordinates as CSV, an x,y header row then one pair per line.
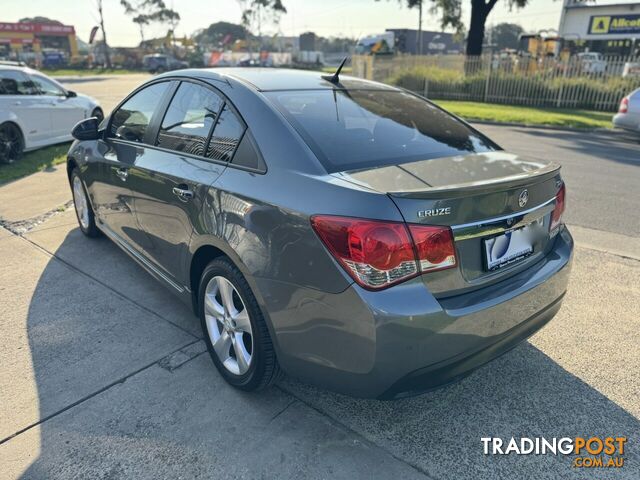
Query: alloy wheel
x,y
228,325
10,143
80,202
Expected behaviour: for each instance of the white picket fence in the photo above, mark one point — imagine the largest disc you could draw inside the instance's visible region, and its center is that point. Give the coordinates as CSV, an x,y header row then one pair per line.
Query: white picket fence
x,y
578,82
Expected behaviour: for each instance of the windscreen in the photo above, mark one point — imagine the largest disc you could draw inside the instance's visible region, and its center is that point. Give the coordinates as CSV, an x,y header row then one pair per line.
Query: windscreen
x,y
358,129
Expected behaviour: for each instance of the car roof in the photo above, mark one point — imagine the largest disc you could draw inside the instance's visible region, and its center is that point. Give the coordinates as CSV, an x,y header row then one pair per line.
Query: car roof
x,y
20,68
265,79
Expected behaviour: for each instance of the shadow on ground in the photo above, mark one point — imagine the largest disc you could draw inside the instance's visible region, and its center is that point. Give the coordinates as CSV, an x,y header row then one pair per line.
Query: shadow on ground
x,y
174,419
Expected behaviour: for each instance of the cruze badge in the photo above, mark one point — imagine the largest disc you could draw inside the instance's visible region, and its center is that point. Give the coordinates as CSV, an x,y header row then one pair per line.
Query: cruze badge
x,y
434,212
523,198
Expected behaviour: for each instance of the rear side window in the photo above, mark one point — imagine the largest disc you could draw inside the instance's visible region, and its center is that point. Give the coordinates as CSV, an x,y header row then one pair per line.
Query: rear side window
x,y
226,136
357,129
189,119
131,120
16,83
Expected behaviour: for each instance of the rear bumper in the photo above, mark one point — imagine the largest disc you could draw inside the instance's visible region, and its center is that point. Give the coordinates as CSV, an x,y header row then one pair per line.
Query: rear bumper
x,y
627,122
403,341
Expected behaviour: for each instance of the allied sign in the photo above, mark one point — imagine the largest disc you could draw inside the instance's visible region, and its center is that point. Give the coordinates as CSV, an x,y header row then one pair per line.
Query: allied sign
x,y
614,24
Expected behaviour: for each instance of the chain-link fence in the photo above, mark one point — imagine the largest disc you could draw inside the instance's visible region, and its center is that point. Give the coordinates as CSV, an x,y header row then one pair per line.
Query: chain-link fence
x,y
583,81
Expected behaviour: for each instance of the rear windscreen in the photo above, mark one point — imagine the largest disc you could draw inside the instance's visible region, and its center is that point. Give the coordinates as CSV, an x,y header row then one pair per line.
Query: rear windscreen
x,y
359,129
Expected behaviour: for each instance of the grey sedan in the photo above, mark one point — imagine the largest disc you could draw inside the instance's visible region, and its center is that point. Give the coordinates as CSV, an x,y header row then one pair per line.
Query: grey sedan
x,y
340,230
628,116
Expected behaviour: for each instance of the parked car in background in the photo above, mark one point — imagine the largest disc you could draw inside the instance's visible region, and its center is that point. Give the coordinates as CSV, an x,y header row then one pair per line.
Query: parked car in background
x,y
592,62
351,233
159,62
36,111
631,69
628,116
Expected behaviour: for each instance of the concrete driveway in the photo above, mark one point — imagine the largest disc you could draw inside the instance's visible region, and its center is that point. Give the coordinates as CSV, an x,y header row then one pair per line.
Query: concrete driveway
x,y
103,374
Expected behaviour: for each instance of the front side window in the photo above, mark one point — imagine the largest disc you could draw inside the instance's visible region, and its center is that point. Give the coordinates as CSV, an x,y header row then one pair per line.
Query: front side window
x,y
189,119
13,82
226,136
131,120
357,129
47,87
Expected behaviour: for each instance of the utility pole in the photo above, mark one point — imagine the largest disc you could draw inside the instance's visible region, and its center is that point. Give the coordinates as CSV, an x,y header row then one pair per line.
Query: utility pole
x,y
419,39
105,45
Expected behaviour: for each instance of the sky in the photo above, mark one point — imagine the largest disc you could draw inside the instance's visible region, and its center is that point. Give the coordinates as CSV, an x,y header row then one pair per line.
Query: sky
x,y
352,18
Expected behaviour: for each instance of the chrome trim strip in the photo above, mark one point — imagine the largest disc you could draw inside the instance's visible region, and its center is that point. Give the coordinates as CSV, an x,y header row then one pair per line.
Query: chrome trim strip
x,y
499,219
137,256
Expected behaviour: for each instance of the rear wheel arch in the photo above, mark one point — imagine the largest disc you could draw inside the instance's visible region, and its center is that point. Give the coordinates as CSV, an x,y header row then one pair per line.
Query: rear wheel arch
x,y
205,254
199,261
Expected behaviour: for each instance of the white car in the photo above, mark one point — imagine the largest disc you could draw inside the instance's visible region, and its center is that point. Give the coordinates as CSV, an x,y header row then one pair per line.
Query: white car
x,y
592,62
36,111
628,117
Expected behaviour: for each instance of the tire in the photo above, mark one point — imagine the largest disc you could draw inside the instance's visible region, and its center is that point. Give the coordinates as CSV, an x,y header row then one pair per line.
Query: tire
x,y
82,207
11,142
98,113
262,368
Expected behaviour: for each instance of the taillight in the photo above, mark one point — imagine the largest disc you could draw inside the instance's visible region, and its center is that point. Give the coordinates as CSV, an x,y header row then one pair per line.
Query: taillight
x,y
556,215
378,254
434,246
624,105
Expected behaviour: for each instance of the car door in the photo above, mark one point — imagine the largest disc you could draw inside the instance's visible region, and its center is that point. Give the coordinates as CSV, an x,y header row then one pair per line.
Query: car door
x,y
124,143
170,181
63,111
18,96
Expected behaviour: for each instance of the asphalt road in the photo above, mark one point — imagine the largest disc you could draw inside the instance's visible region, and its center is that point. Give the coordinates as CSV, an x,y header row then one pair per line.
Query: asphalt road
x,y
103,373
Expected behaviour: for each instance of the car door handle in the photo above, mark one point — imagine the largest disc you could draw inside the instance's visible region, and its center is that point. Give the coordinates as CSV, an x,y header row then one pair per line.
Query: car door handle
x,y
122,173
183,192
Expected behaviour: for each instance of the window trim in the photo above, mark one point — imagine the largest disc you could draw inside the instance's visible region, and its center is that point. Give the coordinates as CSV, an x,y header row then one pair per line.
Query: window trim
x,y
176,80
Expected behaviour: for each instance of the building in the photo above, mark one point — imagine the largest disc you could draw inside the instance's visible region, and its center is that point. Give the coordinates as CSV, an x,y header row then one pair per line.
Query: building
x,y
406,41
28,41
612,29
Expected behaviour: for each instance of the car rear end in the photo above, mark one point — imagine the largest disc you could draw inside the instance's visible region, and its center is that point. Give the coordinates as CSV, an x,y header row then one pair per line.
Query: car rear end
x,y
476,261
628,116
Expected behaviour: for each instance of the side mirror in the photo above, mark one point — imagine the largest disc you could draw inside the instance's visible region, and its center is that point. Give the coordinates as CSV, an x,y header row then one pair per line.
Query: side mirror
x,y
86,129
71,94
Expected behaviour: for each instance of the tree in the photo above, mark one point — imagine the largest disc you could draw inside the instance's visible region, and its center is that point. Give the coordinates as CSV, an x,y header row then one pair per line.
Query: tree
x,y
39,20
221,33
145,12
107,57
506,35
253,8
451,11
252,14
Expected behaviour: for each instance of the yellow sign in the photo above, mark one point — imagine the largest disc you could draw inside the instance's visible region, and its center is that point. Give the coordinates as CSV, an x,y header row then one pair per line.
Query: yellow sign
x,y
600,24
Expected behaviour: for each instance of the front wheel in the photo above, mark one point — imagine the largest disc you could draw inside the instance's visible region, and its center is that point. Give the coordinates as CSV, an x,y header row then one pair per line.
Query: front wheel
x,y
84,212
234,329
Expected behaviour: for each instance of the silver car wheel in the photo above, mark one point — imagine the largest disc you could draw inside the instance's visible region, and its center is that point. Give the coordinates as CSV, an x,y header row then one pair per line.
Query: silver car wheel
x,y
80,202
228,325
